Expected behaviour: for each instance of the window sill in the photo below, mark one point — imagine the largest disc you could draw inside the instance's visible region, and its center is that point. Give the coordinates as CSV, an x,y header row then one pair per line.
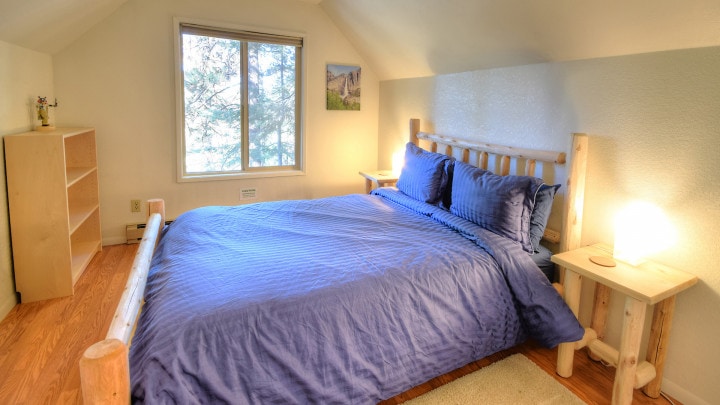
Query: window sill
x,y
239,176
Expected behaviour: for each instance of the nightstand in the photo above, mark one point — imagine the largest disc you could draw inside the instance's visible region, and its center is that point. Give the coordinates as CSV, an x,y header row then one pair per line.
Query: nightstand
x,y
646,284
379,178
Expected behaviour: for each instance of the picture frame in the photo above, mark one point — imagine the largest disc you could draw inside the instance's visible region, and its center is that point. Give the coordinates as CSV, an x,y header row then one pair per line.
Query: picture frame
x,y
343,84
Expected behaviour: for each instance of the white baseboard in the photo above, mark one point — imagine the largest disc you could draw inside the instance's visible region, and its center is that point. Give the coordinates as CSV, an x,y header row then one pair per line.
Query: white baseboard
x,y
681,394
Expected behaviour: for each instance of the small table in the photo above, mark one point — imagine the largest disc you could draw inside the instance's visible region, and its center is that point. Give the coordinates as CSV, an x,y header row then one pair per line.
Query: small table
x,y
379,178
649,283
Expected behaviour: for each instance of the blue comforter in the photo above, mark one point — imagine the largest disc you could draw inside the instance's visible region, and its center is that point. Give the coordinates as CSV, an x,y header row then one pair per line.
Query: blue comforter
x,y
346,300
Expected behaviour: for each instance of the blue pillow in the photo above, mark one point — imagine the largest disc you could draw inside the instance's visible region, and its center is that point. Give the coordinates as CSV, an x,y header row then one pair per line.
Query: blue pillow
x,y
541,213
424,175
501,204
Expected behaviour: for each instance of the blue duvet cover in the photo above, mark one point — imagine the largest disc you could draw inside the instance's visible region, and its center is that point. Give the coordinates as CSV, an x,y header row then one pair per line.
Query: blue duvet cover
x,y
346,300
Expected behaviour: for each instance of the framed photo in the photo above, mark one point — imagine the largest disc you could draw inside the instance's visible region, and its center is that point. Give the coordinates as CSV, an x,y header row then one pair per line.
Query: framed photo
x,y
343,87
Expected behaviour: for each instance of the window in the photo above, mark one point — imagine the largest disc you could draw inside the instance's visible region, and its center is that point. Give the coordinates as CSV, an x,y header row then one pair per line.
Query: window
x,y
239,101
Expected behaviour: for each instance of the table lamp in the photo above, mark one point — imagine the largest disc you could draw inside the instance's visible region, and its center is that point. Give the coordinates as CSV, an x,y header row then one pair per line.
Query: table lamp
x,y
641,230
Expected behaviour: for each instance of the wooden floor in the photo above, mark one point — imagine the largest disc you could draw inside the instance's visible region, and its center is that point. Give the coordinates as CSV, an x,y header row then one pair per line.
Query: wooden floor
x,y
41,343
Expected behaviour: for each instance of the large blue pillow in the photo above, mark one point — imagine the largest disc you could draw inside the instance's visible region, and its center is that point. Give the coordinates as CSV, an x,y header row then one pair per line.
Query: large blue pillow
x,y
501,204
541,213
424,175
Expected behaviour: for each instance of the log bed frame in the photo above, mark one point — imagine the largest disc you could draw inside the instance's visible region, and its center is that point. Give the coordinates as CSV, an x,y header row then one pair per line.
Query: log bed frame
x,y
104,367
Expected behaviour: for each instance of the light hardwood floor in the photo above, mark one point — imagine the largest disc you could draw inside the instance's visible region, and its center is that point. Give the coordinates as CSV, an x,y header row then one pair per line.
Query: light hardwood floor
x,y
41,343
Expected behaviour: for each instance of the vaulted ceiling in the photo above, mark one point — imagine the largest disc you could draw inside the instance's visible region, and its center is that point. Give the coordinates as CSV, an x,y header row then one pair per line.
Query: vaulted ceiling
x,y
415,38
50,25
411,38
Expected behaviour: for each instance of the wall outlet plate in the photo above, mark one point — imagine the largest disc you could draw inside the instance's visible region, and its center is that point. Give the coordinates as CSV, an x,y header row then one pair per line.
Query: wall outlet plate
x,y
135,205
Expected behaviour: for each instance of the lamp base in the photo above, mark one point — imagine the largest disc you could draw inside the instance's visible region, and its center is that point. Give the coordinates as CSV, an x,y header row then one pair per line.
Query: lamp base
x,y
603,261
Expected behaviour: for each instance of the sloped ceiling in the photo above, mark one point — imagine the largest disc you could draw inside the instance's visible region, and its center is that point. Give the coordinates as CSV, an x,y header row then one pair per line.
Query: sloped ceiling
x,y
415,38
48,26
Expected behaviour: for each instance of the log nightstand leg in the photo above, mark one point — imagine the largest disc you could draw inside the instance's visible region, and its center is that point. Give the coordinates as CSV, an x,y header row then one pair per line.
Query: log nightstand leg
x,y
572,285
658,343
599,313
630,339
368,186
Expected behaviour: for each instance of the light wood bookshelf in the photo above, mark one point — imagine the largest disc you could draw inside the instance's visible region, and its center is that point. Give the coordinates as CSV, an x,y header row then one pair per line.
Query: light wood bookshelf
x,y
52,182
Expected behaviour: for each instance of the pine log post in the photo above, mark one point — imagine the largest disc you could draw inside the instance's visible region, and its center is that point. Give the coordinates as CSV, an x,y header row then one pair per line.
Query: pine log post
x,y
574,198
630,338
572,286
105,373
571,234
600,313
658,343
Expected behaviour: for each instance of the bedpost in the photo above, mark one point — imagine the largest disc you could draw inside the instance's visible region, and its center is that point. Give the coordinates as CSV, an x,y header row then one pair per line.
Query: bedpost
x,y
570,239
157,206
414,129
104,374
575,197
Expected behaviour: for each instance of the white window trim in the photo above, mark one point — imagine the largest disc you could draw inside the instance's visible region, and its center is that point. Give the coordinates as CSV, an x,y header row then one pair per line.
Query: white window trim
x,y
180,107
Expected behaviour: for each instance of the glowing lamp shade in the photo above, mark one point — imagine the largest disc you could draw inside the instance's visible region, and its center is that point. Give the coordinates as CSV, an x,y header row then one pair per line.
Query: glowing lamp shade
x,y
641,230
398,161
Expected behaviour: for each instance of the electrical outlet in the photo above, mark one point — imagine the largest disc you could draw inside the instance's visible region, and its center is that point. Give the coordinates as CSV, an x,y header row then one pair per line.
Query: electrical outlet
x,y
135,206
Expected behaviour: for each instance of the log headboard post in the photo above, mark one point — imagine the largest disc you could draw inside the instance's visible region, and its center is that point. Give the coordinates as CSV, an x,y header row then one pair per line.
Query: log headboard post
x,y
575,197
572,225
414,129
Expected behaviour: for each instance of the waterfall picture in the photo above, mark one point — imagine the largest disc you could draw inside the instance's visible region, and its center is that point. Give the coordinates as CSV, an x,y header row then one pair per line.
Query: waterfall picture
x,y
343,87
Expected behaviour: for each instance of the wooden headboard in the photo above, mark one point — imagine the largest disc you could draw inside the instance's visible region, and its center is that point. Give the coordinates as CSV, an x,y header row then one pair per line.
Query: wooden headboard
x,y
569,237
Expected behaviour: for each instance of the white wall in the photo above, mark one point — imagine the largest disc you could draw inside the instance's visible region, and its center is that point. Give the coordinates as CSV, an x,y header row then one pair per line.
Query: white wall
x,y
654,120
119,78
24,75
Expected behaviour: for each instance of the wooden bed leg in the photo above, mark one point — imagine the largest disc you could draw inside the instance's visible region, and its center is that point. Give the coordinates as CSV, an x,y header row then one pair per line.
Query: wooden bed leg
x,y
105,373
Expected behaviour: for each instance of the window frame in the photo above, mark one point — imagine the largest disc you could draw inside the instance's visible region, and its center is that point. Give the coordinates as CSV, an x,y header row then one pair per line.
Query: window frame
x,y
247,172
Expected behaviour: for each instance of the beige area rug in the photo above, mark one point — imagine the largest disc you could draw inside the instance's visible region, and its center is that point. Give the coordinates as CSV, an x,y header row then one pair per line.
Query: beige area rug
x,y
514,380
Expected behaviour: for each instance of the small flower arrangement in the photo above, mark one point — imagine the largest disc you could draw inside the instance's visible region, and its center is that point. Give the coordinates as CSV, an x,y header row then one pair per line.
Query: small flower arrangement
x,y
42,110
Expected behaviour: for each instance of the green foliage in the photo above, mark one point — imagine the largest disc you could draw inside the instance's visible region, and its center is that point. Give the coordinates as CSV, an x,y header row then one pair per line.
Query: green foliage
x,y
335,102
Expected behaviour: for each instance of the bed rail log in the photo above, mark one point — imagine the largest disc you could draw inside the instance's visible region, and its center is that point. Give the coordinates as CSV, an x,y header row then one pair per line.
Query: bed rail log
x,y
104,366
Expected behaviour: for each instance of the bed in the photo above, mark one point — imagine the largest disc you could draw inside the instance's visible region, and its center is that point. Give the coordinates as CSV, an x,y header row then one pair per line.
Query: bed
x,y
348,299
